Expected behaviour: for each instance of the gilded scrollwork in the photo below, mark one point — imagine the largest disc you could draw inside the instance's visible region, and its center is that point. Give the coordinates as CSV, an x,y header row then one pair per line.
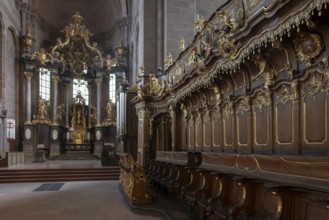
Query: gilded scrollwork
x,y
287,94
308,46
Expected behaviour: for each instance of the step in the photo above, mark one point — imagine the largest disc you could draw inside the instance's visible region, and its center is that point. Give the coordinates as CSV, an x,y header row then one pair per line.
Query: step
x,y
41,175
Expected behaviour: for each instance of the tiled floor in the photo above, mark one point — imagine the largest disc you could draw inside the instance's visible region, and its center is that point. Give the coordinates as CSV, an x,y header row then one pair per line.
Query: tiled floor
x,y
86,200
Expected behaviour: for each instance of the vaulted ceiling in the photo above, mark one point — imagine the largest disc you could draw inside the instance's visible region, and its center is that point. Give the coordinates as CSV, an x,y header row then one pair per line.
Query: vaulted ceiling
x,y
99,16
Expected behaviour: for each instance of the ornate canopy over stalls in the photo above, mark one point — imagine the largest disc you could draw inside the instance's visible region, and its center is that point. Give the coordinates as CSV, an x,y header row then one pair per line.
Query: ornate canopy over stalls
x,y
248,98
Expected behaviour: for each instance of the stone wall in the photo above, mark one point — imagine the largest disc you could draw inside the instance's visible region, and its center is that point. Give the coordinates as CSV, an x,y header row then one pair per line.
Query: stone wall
x,y
10,25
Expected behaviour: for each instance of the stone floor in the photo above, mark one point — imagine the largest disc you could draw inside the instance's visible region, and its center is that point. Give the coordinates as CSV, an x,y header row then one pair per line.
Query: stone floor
x,y
85,200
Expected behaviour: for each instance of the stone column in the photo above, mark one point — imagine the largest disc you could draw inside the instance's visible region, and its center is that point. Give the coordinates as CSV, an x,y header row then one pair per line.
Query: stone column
x,y
98,104
54,129
89,106
67,103
28,76
55,80
29,140
98,145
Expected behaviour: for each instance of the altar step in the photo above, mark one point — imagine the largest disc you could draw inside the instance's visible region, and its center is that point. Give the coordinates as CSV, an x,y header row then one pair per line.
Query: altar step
x,y
77,155
54,175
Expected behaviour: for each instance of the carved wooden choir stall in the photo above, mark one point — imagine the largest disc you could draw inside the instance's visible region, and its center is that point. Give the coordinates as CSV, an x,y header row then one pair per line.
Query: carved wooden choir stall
x,y
247,106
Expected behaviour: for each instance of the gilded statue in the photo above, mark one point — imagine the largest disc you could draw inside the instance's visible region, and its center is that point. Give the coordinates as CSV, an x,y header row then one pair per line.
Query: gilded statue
x,y
109,62
42,108
266,71
60,112
42,56
93,114
110,113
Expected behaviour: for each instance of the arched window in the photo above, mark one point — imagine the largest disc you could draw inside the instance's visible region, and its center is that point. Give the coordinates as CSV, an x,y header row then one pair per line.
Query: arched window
x,y
44,83
82,86
112,87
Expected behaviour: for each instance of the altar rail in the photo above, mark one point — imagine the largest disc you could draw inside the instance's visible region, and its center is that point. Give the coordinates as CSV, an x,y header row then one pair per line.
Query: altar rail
x,y
133,180
230,186
8,159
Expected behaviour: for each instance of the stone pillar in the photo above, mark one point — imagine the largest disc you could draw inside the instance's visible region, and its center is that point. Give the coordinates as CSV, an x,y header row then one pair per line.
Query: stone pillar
x,y
29,141
55,79
98,145
67,103
98,104
143,133
54,149
89,106
173,127
28,76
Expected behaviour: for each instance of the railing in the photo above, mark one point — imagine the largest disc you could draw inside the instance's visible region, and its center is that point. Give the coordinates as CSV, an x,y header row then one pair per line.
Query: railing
x,y
8,159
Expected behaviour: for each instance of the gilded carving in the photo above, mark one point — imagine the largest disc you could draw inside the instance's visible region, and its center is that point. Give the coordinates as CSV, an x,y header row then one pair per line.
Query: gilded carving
x,y
308,46
182,44
287,94
216,113
168,61
228,109
133,180
42,115
42,56
266,70
110,113
153,87
262,99
60,112
312,87
243,106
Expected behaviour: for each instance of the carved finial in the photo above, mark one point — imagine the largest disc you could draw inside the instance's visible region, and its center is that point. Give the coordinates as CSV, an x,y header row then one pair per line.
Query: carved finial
x,y
199,23
182,44
77,18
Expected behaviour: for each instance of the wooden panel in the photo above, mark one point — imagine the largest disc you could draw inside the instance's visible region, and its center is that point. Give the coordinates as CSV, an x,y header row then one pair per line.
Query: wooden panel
x,y
228,131
286,119
217,131
243,132
315,211
262,124
315,123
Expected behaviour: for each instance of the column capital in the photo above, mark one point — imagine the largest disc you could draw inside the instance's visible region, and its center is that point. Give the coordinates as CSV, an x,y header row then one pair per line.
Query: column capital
x,y
98,81
28,75
55,79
